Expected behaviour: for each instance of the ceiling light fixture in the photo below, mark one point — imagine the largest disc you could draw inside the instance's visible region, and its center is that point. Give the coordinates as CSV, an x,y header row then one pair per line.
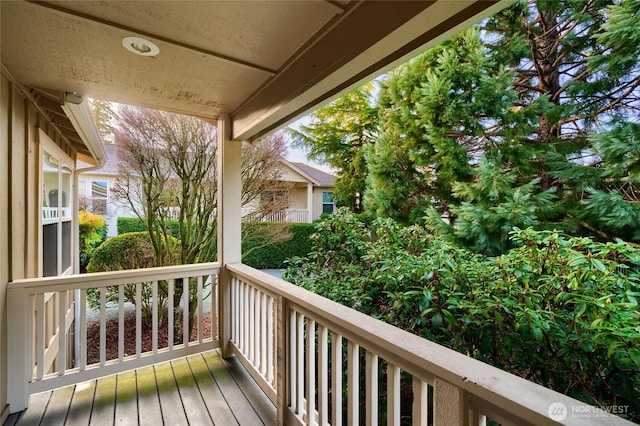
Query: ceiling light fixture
x,y
140,46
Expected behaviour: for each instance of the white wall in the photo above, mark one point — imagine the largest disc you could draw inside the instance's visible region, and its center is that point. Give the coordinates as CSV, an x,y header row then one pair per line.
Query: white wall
x,y
115,208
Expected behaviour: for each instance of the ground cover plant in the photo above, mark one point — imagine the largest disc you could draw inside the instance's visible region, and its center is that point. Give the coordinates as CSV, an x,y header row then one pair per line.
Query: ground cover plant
x,y
558,310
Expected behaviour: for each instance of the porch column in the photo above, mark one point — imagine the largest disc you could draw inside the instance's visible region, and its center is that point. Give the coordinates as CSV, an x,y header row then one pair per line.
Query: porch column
x,y
229,236
309,202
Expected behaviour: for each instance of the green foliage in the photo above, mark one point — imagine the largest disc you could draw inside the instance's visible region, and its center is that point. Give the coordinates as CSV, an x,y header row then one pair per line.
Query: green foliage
x,y
492,206
561,311
275,255
92,233
134,224
434,115
338,134
132,250
527,120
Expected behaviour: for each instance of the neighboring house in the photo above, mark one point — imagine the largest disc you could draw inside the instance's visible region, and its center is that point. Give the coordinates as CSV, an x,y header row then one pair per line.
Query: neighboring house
x,y
95,191
311,192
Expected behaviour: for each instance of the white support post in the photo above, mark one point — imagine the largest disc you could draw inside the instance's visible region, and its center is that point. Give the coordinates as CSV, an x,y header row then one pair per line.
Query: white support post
x,y
19,356
309,202
229,223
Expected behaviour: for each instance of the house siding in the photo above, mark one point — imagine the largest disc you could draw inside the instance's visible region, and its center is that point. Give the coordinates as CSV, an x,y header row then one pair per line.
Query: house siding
x,y
19,206
298,198
317,200
115,207
5,100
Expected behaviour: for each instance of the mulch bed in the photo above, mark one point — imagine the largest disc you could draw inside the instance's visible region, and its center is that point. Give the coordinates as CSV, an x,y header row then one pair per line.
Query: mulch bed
x,y
93,337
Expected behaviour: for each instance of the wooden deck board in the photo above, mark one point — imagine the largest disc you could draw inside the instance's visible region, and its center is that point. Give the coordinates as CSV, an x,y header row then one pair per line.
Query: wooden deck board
x,y
199,390
104,402
126,399
58,407
244,412
194,407
37,405
81,404
256,397
219,410
150,414
170,403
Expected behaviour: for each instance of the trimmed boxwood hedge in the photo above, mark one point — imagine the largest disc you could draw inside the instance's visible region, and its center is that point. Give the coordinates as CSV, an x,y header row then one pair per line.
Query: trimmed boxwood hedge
x,y
132,250
134,224
273,256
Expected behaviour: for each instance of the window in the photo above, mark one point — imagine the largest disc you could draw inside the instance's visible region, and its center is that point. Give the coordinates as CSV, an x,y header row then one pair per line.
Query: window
x,y
99,197
57,216
327,202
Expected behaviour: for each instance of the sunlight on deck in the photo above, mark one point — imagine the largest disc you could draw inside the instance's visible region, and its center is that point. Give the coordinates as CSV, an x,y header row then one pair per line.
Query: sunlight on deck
x,y
200,389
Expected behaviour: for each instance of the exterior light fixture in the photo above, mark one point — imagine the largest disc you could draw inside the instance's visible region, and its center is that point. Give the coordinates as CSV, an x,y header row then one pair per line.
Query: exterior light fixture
x,y
140,46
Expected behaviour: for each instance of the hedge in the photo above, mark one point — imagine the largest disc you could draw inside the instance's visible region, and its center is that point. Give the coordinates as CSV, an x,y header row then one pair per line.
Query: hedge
x,y
273,256
134,224
132,250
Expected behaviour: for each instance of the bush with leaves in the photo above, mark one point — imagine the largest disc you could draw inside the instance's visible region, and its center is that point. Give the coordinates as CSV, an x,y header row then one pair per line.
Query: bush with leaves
x,y
560,311
93,232
132,250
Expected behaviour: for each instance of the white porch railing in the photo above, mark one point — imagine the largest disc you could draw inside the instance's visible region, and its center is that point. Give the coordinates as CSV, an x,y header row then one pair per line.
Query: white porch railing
x,y
42,353
318,361
54,212
287,215
300,347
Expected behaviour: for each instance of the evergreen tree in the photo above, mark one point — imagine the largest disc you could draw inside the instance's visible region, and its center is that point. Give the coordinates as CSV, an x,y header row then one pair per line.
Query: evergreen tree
x,y
337,134
579,61
439,114
540,102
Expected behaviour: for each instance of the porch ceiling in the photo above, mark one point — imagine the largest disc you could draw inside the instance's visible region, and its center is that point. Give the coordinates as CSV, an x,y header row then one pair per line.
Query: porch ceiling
x,y
261,62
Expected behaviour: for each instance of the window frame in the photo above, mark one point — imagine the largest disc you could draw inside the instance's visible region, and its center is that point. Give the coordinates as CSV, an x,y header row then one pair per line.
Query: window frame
x,y
90,196
60,214
332,203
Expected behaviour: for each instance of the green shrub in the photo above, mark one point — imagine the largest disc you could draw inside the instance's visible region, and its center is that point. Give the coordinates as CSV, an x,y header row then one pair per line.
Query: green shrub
x,y
130,224
274,256
132,250
557,310
135,224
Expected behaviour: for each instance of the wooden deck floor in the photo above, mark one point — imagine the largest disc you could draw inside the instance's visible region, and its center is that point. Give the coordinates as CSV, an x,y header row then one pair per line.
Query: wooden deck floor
x,y
198,390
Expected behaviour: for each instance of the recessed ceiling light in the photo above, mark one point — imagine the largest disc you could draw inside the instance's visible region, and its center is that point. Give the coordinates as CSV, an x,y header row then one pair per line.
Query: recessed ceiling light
x,y
140,46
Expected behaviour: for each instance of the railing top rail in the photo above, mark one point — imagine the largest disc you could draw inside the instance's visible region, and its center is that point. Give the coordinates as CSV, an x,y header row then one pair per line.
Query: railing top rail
x,y
425,359
104,279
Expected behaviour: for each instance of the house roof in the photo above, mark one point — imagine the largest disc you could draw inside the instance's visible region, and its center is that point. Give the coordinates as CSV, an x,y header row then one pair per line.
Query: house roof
x,y
317,176
261,63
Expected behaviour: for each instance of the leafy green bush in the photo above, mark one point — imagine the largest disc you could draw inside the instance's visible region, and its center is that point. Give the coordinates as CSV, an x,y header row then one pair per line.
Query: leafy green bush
x,y
132,250
92,233
557,310
274,255
135,224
